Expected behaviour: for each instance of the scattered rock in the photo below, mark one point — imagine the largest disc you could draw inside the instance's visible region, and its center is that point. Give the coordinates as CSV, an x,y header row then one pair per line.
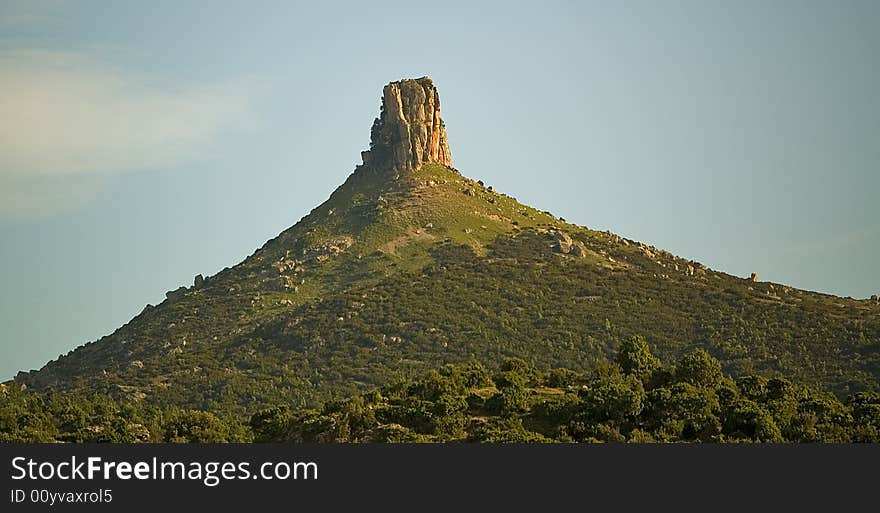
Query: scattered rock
x,y
328,248
579,250
283,282
469,192
286,264
562,242
137,364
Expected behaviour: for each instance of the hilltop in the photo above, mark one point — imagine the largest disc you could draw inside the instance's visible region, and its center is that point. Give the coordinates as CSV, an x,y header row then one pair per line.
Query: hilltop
x,y
410,265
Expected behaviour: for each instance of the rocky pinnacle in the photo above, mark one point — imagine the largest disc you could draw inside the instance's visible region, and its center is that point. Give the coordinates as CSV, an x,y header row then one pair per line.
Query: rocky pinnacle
x,y
408,131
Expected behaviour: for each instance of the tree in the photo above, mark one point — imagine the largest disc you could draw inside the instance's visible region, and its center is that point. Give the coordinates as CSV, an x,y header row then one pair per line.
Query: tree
x,y
684,411
635,357
193,426
700,369
613,398
269,425
866,417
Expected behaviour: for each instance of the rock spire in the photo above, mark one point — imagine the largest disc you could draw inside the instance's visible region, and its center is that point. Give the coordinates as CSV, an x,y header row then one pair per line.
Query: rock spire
x,y
409,131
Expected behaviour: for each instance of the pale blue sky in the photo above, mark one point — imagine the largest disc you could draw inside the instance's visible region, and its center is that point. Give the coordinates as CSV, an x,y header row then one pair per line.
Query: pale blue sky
x,y
142,143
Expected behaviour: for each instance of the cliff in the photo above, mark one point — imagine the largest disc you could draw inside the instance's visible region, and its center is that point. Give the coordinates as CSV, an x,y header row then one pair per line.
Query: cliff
x,y
409,131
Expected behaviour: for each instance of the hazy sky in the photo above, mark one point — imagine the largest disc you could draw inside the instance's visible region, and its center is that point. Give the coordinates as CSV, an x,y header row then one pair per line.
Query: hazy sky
x,y
142,143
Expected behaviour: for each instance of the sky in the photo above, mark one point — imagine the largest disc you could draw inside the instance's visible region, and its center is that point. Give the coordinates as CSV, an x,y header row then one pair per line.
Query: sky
x,y
142,143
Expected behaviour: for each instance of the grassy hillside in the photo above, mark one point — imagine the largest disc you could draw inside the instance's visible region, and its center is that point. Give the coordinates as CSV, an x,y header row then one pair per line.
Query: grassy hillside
x,y
394,276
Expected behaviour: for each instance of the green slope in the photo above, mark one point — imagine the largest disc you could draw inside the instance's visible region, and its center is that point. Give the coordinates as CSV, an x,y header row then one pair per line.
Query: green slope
x,y
394,276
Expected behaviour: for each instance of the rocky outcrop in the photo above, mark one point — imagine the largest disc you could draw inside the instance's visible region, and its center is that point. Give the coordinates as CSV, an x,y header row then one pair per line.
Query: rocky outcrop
x,y
579,250
562,243
409,131
176,294
326,249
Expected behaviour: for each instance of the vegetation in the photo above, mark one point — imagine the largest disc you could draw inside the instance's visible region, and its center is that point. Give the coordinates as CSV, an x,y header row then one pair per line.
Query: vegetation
x,y
437,269
633,399
79,418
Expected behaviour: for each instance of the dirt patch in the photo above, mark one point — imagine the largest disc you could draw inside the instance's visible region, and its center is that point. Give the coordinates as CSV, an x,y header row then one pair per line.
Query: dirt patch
x,y
391,247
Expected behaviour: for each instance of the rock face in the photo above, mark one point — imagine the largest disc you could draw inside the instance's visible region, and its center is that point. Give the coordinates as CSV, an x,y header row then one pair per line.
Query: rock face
x,y
409,131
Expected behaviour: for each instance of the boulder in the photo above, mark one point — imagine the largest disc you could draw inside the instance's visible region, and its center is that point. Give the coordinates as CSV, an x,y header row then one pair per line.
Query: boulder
x,y
579,250
326,249
198,281
562,242
754,277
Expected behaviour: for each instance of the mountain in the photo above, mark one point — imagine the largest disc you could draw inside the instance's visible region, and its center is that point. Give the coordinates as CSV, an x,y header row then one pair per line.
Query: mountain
x,y
409,265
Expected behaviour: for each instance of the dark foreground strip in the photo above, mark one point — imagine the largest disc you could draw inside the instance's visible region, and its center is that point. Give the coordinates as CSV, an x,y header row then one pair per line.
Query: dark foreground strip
x,y
430,477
